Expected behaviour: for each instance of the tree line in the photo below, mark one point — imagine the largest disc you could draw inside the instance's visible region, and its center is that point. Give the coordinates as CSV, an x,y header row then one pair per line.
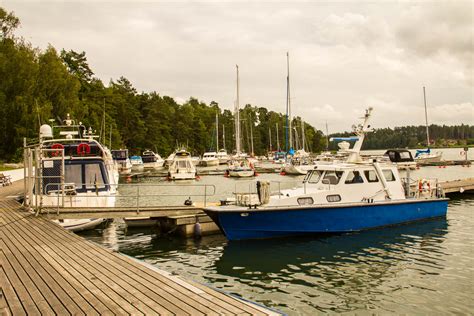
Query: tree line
x,y
39,85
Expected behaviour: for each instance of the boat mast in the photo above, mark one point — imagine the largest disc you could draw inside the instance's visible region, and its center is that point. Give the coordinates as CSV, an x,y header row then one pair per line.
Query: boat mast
x,y
251,137
327,137
223,136
426,120
302,133
270,137
288,134
237,116
217,132
278,140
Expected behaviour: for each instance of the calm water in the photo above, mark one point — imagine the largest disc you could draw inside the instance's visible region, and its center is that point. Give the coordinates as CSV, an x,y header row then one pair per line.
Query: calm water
x,y
420,268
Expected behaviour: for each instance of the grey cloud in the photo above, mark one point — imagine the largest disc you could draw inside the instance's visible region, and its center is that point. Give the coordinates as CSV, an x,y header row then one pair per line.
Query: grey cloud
x,y
439,28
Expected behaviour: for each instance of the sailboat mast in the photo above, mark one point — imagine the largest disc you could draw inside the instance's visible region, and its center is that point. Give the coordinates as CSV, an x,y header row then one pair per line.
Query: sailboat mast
x,y
217,132
302,133
251,138
288,134
278,140
223,136
270,137
426,120
327,136
237,116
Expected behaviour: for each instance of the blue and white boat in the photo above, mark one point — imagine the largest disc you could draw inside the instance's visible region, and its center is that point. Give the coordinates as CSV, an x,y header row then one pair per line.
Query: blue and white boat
x,y
339,197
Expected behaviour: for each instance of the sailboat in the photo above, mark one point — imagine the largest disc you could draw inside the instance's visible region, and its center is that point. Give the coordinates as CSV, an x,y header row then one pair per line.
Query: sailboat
x,y
298,164
426,156
239,166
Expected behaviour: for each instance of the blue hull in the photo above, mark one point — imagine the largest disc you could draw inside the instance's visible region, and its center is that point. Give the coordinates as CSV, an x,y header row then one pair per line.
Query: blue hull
x,y
257,223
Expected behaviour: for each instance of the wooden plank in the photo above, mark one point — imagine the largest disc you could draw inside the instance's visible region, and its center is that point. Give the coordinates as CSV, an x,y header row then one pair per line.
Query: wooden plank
x,y
41,279
128,307
30,297
117,274
132,296
98,273
227,306
71,287
14,304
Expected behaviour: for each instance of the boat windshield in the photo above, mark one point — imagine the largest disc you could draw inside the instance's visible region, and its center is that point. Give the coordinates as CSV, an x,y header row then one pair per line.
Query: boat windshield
x,y
314,176
332,177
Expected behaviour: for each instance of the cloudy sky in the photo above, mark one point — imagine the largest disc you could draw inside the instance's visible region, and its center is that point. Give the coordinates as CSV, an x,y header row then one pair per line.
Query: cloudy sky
x,y
344,55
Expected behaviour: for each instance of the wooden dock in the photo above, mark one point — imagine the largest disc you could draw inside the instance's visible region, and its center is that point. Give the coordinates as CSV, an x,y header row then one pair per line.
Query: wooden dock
x,y
458,186
45,269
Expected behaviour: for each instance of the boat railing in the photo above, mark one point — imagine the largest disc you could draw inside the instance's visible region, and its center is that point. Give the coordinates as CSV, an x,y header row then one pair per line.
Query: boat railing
x,y
137,196
423,188
256,192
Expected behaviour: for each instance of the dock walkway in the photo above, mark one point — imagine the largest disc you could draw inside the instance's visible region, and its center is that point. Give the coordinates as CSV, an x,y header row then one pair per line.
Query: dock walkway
x,y
45,269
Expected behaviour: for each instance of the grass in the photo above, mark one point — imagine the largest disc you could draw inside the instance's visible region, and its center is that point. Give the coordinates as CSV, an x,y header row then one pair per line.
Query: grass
x,y
3,168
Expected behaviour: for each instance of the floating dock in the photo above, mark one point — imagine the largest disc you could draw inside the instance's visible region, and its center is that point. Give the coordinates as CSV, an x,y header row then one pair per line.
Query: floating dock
x,y
45,269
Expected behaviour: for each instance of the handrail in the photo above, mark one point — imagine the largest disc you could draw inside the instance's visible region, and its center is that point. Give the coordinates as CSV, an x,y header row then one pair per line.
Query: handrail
x,y
137,194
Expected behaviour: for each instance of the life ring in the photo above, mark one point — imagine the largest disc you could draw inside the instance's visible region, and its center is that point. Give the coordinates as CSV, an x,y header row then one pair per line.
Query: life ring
x,y
83,149
58,148
463,153
420,186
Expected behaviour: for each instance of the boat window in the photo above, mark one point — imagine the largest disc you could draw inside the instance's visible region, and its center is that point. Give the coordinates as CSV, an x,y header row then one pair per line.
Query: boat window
x,y
73,174
404,155
314,176
94,177
333,198
182,164
305,201
388,174
371,176
354,177
333,177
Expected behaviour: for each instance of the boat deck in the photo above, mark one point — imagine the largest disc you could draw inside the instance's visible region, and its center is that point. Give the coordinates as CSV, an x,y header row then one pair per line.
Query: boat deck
x,y
45,269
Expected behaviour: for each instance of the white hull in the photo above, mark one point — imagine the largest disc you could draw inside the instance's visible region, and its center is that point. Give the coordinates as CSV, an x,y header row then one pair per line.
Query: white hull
x,y
210,162
299,170
223,161
76,225
241,173
183,176
154,165
429,158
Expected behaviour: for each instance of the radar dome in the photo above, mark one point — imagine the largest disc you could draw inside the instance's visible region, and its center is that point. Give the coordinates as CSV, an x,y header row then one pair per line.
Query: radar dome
x,y
46,131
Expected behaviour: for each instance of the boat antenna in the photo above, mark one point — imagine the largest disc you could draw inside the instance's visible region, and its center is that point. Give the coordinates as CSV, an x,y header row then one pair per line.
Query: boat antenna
x,y
426,120
223,136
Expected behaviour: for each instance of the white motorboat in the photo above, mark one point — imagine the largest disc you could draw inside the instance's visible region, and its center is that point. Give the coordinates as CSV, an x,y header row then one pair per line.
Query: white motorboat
x,y
182,167
121,159
76,171
223,156
340,197
210,159
137,162
77,225
152,160
240,168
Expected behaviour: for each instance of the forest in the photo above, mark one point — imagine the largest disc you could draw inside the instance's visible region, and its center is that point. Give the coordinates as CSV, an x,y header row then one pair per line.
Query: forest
x,y
40,86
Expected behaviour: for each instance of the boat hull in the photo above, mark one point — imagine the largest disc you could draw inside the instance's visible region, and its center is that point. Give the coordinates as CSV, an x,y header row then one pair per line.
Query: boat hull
x,y
241,173
77,225
242,223
210,162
